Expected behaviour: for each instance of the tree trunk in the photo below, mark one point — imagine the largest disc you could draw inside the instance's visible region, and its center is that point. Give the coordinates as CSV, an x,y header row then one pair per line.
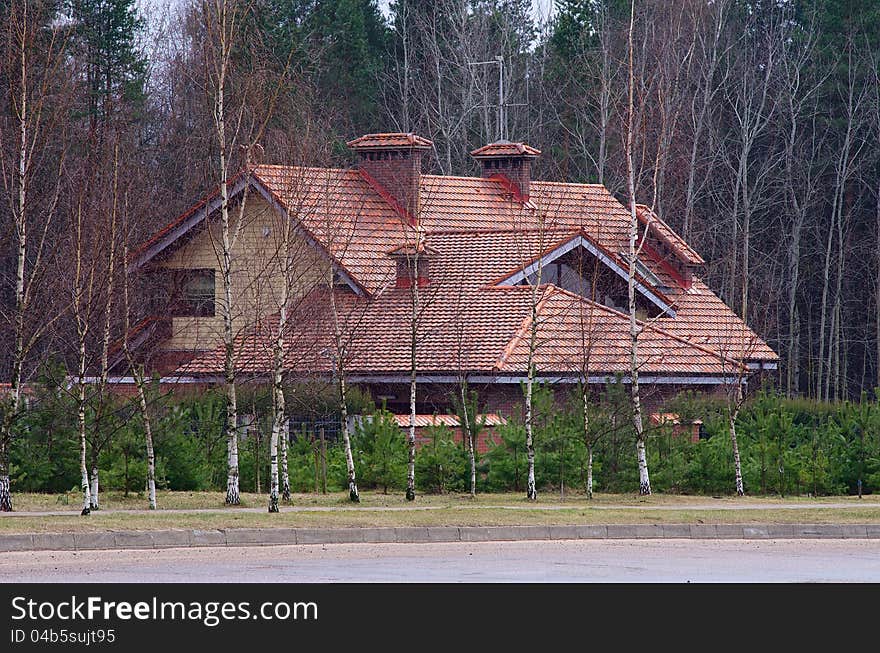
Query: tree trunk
x,y
233,497
414,317
531,485
273,467
279,416
5,494
733,413
94,489
81,428
531,489
411,438
589,471
277,431
148,433
468,436
353,493
20,217
285,473
587,439
634,329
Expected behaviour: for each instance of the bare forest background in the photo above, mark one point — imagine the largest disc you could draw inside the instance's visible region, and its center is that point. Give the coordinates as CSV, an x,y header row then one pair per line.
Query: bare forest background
x,y
757,137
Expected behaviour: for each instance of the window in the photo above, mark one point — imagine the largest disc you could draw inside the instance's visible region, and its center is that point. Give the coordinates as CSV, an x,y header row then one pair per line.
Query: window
x,y
192,293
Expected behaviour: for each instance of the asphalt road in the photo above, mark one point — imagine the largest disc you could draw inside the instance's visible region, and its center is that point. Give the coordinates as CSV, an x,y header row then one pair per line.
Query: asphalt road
x,y
645,561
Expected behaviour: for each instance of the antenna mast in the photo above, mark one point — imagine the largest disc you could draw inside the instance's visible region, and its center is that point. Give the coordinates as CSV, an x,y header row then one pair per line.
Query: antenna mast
x,y
497,61
502,105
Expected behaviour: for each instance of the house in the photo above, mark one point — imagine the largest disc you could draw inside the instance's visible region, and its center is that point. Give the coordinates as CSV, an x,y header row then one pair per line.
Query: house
x,y
477,252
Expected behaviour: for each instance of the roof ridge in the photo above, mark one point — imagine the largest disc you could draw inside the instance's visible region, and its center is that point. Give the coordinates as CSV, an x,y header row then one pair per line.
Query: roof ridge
x,y
499,230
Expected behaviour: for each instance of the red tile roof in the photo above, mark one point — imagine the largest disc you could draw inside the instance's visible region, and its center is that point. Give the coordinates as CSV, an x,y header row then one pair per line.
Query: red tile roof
x,y
489,419
478,235
664,232
505,148
384,141
467,324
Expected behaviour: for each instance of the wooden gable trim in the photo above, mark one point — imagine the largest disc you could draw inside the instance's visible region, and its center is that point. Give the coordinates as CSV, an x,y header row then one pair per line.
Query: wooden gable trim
x,y
200,213
580,241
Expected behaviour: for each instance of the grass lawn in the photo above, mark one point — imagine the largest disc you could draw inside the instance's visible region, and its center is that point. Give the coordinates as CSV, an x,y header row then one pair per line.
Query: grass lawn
x,y
180,510
167,500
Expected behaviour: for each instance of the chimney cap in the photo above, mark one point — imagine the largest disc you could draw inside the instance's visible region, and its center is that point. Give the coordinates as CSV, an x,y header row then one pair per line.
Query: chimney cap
x,y
411,249
390,141
505,148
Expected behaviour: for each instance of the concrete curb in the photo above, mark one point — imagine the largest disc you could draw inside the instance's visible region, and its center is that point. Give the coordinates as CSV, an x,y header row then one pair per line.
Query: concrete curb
x,y
163,539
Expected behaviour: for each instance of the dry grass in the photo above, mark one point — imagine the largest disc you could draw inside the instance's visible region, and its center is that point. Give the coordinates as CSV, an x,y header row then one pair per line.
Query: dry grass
x,y
206,510
29,502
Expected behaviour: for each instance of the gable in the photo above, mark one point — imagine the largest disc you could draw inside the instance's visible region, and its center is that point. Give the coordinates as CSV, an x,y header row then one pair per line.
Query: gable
x,y
175,240
581,244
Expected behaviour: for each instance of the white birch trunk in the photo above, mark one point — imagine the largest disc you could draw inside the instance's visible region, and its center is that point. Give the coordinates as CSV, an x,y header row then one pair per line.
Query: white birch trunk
x,y
233,497
5,494
94,488
285,473
634,330
737,467
468,435
590,472
353,493
411,439
148,434
588,441
531,488
531,485
81,428
279,416
273,464
21,233
339,362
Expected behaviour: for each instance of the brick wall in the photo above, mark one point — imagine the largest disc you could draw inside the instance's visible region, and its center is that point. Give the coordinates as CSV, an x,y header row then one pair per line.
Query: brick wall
x,y
398,172
517,169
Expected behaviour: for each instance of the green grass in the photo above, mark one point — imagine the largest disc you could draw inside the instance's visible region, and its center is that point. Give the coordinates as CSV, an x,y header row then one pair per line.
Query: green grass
x,y
443,510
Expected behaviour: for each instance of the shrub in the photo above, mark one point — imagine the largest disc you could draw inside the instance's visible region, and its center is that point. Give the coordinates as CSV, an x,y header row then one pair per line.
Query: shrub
x,y
380,452
441,463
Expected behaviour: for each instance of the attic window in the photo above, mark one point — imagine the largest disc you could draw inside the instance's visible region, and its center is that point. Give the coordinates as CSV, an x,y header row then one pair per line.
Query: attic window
x,y
192,293
405,271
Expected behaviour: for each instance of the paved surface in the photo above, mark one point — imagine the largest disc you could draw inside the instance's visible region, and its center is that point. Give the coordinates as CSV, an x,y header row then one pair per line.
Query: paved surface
x,y
624,560
176,538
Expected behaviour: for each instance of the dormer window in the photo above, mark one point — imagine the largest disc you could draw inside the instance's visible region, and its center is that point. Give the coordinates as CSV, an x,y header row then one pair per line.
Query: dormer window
x,y
412,265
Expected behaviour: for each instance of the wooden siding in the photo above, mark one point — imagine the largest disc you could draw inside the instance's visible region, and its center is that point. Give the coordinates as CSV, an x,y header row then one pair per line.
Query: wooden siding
x,y
257,273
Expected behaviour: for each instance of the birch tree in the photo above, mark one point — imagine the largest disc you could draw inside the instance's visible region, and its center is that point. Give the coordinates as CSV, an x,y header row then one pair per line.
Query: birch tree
x,y
632,253
136,369
33,59
240,110
221,22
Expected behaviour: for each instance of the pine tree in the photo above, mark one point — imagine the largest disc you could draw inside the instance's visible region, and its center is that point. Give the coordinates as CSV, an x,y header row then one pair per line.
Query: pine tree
x,y
107,32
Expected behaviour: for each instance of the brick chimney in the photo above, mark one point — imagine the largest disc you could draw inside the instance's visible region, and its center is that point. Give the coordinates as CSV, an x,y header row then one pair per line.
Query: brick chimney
x,y
510,163
392,165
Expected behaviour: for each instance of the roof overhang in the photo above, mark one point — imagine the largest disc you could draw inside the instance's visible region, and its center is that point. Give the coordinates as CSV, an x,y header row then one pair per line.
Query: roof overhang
x,y
441,379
